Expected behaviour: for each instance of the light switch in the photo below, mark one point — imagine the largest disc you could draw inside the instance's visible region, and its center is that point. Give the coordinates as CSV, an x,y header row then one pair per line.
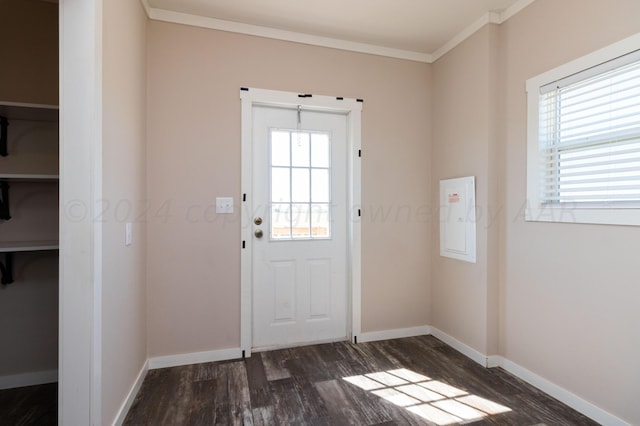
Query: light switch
x,y
224,205
127,234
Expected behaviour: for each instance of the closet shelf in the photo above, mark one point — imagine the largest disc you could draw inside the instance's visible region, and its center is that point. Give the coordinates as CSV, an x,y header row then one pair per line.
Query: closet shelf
x,y
20,177
9,248
18,246
10,111
30,112
5,179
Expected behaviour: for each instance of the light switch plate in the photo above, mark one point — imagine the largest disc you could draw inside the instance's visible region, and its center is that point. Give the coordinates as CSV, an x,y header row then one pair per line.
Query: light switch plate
x,y
224,205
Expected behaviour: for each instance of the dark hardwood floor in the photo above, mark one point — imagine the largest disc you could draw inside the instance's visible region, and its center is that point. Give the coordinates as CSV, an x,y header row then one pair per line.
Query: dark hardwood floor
x,y
413,381
31,405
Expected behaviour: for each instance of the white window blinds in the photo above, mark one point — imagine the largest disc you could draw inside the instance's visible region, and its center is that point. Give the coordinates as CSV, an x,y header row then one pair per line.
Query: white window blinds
x,y
589,135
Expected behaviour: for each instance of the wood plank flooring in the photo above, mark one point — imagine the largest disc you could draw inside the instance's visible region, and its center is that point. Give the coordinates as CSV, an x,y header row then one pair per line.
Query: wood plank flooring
x,y
31,405
413,381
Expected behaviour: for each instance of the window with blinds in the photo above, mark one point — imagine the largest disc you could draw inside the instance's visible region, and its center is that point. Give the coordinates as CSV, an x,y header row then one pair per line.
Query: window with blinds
x,y
589,135
583,139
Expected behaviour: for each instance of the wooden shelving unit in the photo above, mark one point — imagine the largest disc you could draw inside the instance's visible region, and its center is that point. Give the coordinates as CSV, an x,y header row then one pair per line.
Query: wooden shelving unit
x,y
26,178
30,112
19,246
26,115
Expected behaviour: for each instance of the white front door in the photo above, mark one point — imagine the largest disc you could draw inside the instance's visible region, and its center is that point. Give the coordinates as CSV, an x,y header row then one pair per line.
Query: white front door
x,y
299,226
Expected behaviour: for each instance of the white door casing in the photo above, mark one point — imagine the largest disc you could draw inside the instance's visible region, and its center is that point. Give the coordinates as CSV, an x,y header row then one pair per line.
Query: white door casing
x,y
299,287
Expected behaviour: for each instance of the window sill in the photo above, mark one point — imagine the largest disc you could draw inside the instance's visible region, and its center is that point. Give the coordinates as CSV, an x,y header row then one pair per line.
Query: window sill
x,y
627,215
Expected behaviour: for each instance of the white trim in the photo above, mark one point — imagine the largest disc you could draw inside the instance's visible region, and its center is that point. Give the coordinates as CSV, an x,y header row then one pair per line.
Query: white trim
x,y
333,43
487,18
147,7
494,361
131,396
398,333
28,379
463,348
512,10
96,182
277,34
592,59
194,358
80,329
354,252
246,254
353,108
561,394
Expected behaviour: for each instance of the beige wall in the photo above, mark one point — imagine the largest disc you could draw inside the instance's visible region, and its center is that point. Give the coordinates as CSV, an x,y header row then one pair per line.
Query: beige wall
x,y
29,34
566,304
194,155
570,293
464,145
124,336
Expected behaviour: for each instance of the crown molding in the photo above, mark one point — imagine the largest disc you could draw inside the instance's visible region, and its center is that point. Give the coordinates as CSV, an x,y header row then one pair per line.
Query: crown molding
x,y
488,18
147,7
260,31
513,9
333,43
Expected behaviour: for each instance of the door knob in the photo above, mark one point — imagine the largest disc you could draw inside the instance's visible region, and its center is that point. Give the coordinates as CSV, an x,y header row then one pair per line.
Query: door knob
x,y
257,220
258,233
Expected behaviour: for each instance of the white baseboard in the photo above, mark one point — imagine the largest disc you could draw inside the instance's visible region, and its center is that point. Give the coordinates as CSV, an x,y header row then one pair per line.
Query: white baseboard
x,y
561,394
28,379
194,358
128,402
464,349
566,397
398,333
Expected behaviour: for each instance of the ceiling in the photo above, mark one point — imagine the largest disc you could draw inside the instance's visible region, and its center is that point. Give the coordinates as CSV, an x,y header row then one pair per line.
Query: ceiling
x,y
417,28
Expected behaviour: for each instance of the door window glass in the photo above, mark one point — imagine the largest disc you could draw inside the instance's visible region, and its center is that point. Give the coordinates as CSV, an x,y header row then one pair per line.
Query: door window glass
x,y
300,185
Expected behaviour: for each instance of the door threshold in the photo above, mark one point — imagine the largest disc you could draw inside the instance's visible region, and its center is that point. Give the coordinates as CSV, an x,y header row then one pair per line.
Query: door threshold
x,y
298,344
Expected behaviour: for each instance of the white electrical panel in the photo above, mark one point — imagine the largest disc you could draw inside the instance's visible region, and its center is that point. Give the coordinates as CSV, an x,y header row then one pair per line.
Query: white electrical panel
x,y
458,218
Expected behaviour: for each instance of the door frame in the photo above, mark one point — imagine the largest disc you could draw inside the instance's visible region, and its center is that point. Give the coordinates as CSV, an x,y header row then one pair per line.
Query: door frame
x,y
353,110
80,263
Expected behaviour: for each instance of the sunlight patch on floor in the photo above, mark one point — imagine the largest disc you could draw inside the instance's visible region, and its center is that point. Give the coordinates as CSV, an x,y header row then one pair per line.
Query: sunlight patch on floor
x,y
432,400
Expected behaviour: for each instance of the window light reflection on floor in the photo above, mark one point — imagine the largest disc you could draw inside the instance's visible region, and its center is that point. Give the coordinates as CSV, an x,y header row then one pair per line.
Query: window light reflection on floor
x,y
432,400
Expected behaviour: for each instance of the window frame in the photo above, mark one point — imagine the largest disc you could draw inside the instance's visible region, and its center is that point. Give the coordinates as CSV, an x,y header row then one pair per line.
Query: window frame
x,y
600,213
310,168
